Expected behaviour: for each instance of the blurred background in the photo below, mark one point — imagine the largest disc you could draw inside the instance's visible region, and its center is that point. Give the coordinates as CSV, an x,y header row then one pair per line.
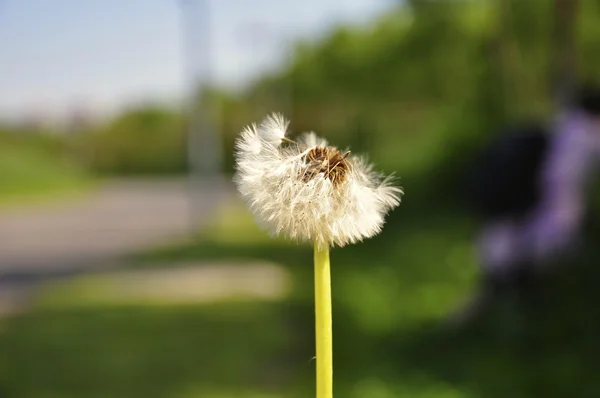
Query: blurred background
x,y
129,267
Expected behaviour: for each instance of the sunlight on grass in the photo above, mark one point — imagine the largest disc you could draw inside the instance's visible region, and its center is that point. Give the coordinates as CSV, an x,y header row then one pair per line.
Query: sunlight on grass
x,y
232,223
28,175
16,200
194,284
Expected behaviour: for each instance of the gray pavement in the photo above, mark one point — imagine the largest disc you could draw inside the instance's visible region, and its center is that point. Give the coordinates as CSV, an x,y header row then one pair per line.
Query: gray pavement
x,y
119,218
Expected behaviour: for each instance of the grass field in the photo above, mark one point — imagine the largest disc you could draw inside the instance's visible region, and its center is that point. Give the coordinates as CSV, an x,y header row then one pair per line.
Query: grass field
x,y
391,297
29,173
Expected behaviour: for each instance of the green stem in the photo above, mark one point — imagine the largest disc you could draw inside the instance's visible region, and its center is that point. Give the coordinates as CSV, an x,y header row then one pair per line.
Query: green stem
x,y
323,323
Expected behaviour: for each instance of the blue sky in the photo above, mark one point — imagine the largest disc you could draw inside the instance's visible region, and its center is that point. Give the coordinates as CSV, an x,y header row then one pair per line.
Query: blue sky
x,y
107,53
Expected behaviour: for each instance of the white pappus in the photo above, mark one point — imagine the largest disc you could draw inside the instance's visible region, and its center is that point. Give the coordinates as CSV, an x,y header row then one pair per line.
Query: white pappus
x,y
307,190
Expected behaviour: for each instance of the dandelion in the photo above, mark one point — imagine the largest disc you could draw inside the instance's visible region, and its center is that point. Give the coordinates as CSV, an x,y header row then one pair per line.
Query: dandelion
x,y
312,192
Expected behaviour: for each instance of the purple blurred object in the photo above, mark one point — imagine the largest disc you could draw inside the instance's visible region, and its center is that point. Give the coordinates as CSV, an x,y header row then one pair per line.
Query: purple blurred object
x,y
552,227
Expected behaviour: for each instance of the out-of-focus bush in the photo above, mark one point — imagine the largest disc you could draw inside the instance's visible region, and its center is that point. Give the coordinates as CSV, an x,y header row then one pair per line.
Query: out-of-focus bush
x,y
146,140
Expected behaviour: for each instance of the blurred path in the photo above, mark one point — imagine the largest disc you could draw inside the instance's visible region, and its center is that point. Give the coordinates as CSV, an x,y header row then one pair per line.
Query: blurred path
x,y
119,218
179,283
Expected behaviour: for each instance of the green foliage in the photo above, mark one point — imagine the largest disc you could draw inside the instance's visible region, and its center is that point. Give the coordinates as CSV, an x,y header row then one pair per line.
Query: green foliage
x,y
139,141
439,75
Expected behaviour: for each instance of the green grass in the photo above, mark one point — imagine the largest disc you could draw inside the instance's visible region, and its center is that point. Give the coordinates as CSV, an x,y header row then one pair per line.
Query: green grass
x,y
391,296
31,174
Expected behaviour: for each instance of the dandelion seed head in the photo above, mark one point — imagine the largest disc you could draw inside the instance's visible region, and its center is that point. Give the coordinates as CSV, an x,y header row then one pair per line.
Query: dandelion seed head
x,y
310,191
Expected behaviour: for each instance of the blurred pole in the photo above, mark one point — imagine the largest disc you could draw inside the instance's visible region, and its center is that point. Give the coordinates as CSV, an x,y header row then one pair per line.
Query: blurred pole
x,y
203,142
564,79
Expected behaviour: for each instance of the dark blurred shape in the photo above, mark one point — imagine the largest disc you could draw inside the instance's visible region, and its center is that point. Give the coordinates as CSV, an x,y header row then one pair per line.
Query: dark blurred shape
x,y
505,173
589,99
530,185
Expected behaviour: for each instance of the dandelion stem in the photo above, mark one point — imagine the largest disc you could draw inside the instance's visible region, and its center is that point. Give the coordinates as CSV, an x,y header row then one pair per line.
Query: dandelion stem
x,y
324,354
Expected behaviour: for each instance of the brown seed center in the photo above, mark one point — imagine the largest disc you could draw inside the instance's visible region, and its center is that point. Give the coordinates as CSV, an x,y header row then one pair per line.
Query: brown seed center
x,y
329,162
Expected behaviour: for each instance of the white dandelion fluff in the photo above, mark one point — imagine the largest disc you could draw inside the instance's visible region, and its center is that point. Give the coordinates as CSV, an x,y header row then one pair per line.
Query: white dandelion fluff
x,y
308,190
273,129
